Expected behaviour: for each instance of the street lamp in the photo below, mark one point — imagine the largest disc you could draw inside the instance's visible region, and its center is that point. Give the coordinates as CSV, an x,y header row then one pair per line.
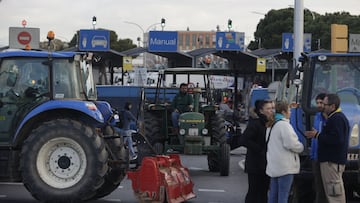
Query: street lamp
x,y
145,37
94,21
147,30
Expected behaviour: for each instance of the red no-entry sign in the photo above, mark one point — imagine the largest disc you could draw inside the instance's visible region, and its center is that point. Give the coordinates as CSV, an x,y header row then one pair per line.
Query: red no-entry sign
x,y
19,37
24,38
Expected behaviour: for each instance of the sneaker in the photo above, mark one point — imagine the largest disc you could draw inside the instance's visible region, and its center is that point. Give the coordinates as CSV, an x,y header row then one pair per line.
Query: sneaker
x,y
134,157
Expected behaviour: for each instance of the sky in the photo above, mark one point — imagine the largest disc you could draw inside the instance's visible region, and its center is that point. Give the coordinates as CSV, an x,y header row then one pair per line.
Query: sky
x,y
65,17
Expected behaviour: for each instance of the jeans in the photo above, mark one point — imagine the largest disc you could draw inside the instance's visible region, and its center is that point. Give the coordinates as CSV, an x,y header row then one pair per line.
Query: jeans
x,y
128,140
126,134
175,119
280,188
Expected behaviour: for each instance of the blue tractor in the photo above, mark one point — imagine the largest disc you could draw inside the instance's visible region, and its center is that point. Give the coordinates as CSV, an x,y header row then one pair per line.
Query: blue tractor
x,y
323,73
55,137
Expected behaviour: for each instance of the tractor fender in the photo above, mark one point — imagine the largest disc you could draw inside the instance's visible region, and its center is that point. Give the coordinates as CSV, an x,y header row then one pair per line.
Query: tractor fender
x,y
162,177
86,107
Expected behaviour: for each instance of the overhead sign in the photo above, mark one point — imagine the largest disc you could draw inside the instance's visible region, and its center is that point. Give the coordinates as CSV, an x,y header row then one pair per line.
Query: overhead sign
x,y
261,65
94,40
233,41
288,42
354,42
163,41
127,63
20,37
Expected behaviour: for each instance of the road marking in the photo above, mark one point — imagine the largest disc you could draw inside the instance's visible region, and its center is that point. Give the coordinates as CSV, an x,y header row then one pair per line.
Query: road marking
x,y
210,190
121,187
3,196
9,183
113,200
196,169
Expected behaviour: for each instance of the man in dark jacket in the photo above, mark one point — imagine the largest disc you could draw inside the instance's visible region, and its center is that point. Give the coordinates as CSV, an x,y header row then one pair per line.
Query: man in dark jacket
x,y
181,103
254,139
333,144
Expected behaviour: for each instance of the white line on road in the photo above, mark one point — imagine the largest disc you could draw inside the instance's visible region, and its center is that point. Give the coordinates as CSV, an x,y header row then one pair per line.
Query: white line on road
x,y
113,200
196,169
10,183
210,190
3,196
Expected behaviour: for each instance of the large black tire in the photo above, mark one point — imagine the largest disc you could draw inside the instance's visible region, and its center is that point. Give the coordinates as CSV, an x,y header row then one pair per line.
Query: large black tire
x,y
217,129
224,159
118,164
63,161
213,163
159,148
152,124
218,137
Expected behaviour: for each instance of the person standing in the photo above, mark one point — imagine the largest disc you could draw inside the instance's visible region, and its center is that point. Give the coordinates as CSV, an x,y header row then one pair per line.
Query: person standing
x,y
283,148
182,102
333,142
129,126
319,120
255,163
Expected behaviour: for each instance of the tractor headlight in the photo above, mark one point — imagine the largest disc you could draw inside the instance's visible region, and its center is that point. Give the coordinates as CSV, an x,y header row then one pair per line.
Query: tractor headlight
x,y
182,131
354,136
204,131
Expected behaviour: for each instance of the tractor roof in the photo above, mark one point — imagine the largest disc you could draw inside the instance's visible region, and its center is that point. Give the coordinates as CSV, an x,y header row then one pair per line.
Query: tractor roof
x,y
38,54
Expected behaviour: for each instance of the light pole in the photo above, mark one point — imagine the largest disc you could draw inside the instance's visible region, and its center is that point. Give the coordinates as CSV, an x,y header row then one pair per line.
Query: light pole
x,y
142,30
144,33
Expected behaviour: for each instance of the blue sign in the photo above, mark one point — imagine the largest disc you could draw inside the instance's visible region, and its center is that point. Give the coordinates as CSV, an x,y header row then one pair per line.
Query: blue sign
x,y
288,42
94,40
163,41
233,41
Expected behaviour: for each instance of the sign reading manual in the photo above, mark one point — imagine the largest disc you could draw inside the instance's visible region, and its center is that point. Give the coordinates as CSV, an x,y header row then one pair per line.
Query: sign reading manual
x,y
163,41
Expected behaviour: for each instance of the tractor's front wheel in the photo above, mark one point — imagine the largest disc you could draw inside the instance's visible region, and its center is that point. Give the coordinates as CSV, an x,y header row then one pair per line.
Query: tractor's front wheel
x,y
63,161
224,159
118,163
218,160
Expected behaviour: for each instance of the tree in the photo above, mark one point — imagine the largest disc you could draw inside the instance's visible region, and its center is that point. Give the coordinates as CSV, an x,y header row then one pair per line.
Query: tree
x,y
269,30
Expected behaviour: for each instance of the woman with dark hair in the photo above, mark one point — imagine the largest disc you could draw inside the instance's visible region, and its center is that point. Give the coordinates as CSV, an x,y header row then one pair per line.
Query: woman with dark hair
x,y
255,163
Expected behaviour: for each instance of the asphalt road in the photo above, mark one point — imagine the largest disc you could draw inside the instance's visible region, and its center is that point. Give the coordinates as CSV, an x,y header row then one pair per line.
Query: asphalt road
x,y
209,187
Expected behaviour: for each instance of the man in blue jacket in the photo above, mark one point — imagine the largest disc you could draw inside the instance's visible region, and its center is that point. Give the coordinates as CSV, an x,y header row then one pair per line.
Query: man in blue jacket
x,y
319,120
333,143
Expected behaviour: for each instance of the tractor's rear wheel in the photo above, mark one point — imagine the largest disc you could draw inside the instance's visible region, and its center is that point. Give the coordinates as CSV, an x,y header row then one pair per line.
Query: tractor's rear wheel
x,y
152,124
63,161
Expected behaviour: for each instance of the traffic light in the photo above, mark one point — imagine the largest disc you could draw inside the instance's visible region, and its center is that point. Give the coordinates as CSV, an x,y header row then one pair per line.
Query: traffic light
x,y
162,23
229,24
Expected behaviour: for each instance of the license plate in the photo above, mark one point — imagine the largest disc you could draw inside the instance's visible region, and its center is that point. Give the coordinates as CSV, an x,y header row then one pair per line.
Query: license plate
x,y
352,157
193,131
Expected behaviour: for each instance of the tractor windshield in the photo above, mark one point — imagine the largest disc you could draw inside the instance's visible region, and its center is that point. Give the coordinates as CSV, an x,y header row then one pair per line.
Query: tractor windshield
x,y
334,74
72,80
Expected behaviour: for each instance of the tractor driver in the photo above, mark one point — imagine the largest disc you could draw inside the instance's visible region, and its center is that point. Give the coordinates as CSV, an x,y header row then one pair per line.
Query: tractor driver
x,y
182,103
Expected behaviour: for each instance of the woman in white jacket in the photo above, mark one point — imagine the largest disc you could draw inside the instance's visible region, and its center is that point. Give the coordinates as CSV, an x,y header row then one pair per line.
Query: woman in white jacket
x,y
283,148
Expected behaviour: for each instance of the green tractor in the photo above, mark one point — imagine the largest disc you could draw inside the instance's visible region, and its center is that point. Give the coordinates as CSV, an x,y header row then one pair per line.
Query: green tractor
x,y
201,131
